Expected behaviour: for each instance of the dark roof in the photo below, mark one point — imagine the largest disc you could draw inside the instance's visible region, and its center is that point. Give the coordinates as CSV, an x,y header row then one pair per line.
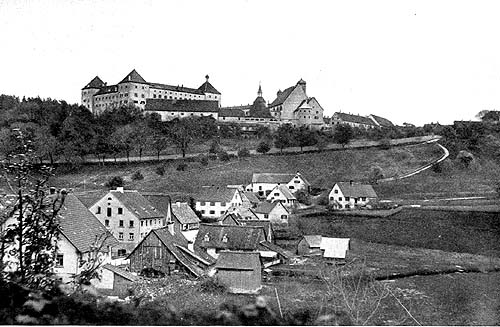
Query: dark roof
x,y
107,90
265,224
235,260
230,216
215,194
357,190
226,112
133,76
231,237
282,96
173,243
177,88
382,121
272,178
90,198
184,213
265,207
182,105
95,83
251,197
80,226
208,88
137,204
125,274
354,118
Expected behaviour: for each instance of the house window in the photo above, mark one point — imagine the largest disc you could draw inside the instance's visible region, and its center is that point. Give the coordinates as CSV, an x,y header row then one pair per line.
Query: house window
x,y
131,224
106,223
340,198
347,206
291,187
363,199
260,188
266,215
276,194
331,198
60,260
347,198
284,217
108,212
212,204
142,223
120,236
336,191
98,210
109,199
202,212
120,211
131,236
184,227
224,238
120,223
122,252
212,212
222,212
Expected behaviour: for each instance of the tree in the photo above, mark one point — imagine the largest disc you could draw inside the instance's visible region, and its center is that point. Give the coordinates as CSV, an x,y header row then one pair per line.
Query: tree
x,y
29,241
114,182
141,136
263,147
183,133
262,132
283,138
375,174
159,142
77,131
123,139
342,134
305,137
243,152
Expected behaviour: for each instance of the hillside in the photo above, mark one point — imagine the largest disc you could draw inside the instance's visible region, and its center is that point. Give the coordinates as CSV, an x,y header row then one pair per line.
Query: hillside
x,y
322,169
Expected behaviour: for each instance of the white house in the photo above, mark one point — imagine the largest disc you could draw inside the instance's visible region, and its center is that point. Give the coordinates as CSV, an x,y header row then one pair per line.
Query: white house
x,y
275,212
128,215
349,195
215,201
264,183
79,234
282,194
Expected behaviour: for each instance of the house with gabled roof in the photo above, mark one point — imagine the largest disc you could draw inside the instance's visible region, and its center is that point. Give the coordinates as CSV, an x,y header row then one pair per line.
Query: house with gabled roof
x,y
381,121
275,212
249,199
350,195
265,224
166,251
309,245
182,216
264,183
215,201
282,194
239,271
128,215
293,106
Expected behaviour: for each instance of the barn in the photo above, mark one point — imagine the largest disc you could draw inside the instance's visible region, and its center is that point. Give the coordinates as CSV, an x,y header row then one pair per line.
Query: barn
x,y
166,251
239,271
115,281
309,245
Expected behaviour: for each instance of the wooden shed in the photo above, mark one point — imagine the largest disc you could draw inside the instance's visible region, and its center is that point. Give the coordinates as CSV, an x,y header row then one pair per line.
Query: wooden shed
x,y
115,281
167,252
239,271
309,245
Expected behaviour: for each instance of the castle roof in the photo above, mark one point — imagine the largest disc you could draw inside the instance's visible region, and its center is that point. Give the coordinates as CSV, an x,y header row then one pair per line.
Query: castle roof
x,y
282,96
95,83
208,88
134,77
354,118
182,105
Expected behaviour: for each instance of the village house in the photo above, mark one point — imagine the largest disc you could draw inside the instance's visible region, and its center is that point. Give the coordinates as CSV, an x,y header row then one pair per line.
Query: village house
x,y
309,245
265,224
350,195
214,201
293,106
128,216
371,121
97,96
282,194
166,251
239,271
275,212
264,183
184,219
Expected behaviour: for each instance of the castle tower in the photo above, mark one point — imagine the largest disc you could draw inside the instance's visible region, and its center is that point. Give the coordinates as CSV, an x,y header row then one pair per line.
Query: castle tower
x,y
88,92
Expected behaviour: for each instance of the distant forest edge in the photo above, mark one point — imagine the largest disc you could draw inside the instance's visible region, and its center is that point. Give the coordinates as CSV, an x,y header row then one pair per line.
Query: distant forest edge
x,y
62,132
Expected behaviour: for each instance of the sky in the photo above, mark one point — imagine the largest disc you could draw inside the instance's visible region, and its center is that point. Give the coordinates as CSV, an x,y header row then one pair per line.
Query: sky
x,y
408,61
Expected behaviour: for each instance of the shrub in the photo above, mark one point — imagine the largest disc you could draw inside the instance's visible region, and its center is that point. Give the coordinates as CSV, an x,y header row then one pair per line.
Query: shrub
x,y
114,182
212,285
243,152
214,147
137,176
203,160
375,174
212,156
385,144
303,197
160,170
323,199
182,166
223,156
263,147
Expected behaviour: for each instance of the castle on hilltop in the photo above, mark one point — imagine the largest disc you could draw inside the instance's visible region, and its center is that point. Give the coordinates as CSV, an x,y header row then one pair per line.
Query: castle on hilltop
x,y
97,96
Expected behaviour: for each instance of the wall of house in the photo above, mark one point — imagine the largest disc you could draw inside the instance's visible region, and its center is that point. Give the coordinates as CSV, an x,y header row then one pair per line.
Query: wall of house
x,y
151,253
114,221
276,195
240,280
311,117
107,280
337,198
169,115
291,103
212,209
263,189
70,259
297,183
279,215
148,224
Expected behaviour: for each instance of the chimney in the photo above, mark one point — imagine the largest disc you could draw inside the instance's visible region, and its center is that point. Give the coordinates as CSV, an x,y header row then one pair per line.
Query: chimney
x,y
119,189
170,227
191,246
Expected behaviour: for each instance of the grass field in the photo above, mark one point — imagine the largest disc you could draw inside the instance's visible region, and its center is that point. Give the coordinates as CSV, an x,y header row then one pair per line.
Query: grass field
x,y
467,232
322,169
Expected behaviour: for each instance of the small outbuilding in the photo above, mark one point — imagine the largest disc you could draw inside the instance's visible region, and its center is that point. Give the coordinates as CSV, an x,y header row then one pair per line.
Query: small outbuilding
x,y
115,281
239,271
309,245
